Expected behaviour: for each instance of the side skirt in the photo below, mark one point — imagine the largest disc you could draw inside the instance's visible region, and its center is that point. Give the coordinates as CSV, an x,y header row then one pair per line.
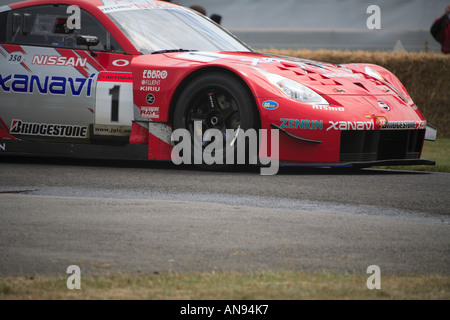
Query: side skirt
x,y
74,150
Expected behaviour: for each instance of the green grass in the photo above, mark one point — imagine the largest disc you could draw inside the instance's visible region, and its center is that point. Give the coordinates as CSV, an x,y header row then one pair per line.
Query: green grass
x,y
438,151
282,285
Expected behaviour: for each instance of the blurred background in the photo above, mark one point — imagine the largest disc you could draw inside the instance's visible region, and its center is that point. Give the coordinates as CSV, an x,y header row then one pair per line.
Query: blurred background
x,y
328,24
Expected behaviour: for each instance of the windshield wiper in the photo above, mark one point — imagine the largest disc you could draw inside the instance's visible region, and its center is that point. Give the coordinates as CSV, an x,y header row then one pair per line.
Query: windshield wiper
x,y
171,50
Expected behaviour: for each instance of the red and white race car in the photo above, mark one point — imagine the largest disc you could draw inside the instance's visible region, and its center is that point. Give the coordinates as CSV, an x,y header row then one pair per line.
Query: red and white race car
x,y
114,79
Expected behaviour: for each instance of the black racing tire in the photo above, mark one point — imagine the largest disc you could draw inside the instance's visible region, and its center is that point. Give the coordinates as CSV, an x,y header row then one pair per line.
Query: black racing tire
x,y
220,101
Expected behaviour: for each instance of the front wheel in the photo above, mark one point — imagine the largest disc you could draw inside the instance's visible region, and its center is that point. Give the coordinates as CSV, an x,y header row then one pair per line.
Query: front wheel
x,y
215,101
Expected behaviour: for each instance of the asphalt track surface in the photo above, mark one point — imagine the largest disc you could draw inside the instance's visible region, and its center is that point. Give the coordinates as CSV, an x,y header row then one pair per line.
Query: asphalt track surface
x,y
154,217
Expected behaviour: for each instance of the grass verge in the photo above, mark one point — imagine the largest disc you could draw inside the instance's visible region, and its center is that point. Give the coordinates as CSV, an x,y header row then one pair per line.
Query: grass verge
x,y
283,285
438,151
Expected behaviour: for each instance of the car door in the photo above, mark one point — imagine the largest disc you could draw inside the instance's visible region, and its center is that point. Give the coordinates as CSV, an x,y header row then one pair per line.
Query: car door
x,y
55,88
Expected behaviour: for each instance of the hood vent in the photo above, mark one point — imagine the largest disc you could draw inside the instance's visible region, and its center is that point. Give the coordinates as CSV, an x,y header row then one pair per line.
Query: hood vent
x,y
360,85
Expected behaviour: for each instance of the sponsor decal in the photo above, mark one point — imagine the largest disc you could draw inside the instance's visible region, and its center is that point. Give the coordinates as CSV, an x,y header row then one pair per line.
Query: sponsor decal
x,y
151,82
150,88
384,106
15,57
385,124
49,130
111,130
351,125
154,74
201,56
257,61
120,63
270,105
339,90
403,125
301,124
49,60
149,112
150,85
381,120
328,108
422,124
150,98
22,83
2,146
112,6
115,77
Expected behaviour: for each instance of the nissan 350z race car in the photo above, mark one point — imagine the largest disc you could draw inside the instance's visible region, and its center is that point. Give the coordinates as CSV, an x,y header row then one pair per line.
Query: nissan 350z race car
x,y
116,79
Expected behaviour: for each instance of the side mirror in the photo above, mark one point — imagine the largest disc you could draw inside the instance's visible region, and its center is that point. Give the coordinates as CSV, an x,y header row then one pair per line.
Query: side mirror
x,y
88,41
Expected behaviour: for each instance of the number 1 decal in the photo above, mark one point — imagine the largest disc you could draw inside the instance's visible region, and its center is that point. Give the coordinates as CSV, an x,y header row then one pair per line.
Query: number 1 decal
x,y
114,99
114,92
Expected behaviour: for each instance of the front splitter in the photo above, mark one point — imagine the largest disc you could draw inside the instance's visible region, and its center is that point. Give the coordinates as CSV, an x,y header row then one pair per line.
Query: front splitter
x,y
361,164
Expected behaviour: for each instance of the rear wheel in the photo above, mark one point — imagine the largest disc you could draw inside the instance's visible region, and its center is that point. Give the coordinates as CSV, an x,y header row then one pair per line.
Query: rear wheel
x,y
215,101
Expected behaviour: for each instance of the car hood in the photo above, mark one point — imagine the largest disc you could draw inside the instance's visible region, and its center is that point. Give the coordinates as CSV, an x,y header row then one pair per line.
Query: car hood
x,y
325,78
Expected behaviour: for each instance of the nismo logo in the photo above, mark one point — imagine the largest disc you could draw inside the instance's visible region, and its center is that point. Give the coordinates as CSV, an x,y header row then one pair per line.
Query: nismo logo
x,y
21,83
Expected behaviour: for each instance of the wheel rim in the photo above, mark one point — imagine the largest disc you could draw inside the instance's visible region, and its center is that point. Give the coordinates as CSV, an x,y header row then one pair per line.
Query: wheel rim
x,y
216,109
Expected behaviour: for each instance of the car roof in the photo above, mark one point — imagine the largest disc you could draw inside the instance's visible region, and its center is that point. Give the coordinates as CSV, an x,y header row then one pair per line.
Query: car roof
x,y
92,3
29,3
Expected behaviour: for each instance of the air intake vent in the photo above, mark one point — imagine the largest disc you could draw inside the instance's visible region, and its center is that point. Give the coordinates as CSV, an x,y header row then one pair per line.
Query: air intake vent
x,y
381,145
360,85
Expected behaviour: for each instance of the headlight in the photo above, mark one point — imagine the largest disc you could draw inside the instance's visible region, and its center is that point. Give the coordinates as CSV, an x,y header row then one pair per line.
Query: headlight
x,y
293,89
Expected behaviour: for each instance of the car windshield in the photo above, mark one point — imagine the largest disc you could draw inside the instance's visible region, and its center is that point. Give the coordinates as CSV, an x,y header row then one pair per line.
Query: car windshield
x,y
157,30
